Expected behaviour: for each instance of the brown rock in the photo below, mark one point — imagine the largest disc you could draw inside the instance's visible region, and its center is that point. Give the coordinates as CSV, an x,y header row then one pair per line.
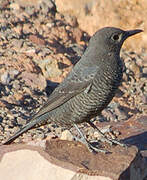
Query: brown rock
x,y
34,80
77,34
67,160
132,127
37,40
4,4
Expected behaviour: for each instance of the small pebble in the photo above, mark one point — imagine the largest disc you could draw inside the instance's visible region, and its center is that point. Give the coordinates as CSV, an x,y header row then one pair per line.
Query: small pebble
x,y
122,115
144,99
5,78
66,135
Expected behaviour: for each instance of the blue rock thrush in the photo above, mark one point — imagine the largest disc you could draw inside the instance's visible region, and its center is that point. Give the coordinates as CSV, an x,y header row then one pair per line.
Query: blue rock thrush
x,y
88,88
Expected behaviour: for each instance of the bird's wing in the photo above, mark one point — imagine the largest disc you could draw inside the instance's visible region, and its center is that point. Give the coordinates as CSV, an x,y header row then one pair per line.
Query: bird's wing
x,y
76,82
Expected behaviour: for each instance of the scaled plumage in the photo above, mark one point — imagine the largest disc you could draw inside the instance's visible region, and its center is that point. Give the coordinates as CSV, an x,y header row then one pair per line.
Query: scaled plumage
x,y
89,87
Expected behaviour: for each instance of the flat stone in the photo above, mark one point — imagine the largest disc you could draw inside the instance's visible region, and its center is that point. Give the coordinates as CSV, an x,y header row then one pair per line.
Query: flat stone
x,y
69,160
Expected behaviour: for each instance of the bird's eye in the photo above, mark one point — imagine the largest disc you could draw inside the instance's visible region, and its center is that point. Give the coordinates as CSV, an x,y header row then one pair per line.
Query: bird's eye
x,y
115,37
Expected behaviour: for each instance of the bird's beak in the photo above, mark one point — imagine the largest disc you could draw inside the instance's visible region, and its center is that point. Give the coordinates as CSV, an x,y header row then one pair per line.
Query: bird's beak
x,y
131,33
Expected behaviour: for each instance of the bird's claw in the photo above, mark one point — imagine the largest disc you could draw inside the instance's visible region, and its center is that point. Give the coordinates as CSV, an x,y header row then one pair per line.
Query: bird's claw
x,y
90,147
94,149
113,141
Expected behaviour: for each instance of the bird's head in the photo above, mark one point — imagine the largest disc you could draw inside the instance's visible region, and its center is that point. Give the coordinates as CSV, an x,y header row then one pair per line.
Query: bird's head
x,y
111,39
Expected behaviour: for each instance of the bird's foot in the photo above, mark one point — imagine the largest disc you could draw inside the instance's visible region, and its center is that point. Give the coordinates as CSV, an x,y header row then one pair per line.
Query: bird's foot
x,y
111,141
84,141
95,149
103,138
90,147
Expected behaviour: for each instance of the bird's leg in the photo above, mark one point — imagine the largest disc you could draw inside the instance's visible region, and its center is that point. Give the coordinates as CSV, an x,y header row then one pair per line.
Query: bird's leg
x,y
84,141
104,138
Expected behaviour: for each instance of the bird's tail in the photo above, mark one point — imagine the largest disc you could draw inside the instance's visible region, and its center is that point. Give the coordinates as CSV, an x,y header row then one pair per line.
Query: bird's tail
x,y
28,126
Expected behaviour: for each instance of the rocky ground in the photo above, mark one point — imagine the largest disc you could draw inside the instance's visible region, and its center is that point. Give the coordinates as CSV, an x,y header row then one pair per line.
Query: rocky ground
x,y
38,47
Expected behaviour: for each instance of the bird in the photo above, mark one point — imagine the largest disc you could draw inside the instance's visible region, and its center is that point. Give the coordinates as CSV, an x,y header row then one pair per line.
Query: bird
x,y
88,88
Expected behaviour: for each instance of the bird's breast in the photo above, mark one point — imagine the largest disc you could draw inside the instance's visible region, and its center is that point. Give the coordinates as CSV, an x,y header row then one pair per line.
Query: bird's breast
x,y
104,86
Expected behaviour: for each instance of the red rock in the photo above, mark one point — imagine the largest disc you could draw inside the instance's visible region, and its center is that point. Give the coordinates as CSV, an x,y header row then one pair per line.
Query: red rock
x,y
69,160
37,40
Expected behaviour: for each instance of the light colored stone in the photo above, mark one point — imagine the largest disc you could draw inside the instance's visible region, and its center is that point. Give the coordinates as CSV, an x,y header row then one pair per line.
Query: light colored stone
x,y
66,135
49,68
14,6
5,78
30,165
